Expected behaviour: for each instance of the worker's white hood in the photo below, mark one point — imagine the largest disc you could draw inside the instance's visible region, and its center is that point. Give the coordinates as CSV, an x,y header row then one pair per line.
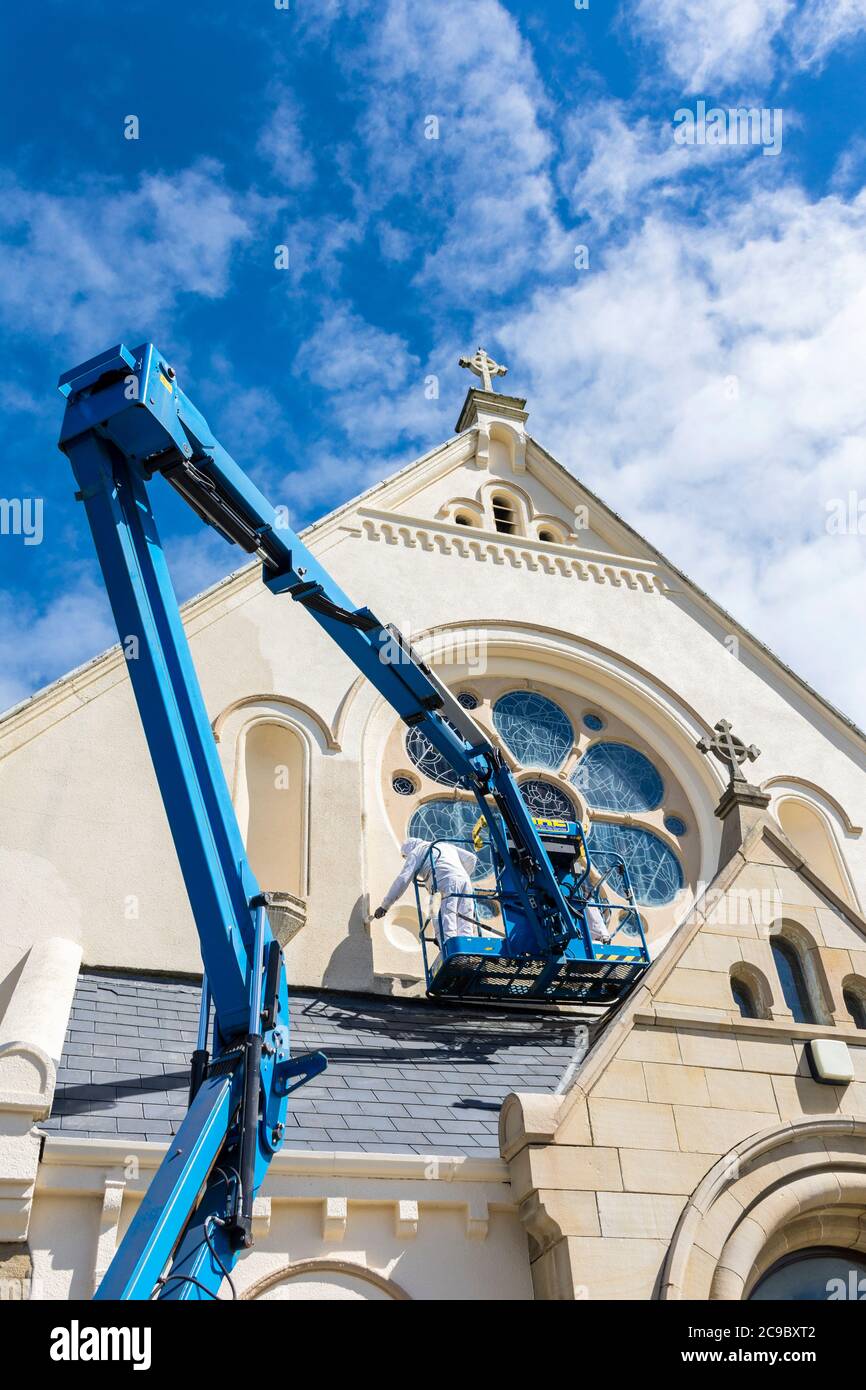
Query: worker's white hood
x,y
410,846
454,853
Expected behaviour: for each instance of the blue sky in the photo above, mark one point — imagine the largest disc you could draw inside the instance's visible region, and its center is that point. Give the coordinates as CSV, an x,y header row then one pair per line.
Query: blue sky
x,y
706,372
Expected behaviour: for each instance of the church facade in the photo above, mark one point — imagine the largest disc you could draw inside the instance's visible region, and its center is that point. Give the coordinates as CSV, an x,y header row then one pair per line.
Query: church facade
x,y
705,1140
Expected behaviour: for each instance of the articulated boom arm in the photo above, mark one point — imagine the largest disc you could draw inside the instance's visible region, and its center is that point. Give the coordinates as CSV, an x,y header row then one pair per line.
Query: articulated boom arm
x,y
126,421
131,400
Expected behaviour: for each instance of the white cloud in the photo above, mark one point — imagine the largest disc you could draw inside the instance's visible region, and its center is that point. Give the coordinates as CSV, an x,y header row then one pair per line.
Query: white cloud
x,y
849,173
281,142
725,41
612,159
469,69
346,354
317,18
824,24
328,478
90,266
317,246
746,41
396,243
709,384
39,644
375,382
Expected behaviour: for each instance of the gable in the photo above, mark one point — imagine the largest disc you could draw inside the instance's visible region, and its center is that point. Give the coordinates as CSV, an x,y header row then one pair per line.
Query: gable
x,y
765,891
564,529
464,478
668,1154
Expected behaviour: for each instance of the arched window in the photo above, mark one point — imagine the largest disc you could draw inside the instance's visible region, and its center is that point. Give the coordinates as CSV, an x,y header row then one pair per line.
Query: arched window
x,y
276,793
855,1003
429,760
325,1281
654,872
463,520
551,532
743,998
750,991
537,731
615,777
792,980
504,514
808,831
616,791
813,1276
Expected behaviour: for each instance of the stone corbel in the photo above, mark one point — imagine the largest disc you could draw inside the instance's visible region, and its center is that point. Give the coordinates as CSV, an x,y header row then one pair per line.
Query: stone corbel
x,y
261,1217
335,1215
109,1223
477,1218
540,1224
406,1220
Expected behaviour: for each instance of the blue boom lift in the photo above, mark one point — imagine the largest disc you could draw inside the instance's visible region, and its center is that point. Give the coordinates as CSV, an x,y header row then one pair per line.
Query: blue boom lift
x,y
127,421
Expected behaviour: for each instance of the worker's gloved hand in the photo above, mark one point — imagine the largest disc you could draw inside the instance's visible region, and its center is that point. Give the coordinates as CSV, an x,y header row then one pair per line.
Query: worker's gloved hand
x,y
380,912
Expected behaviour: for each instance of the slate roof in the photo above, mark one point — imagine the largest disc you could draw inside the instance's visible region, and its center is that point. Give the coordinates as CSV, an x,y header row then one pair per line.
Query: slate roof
x,y
403,1076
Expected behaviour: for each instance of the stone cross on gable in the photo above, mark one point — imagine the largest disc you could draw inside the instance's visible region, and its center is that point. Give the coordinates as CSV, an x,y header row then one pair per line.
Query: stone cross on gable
x,y
729,750
483,365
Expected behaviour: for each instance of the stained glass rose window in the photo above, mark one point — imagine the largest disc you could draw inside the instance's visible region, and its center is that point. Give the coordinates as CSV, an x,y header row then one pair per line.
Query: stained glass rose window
x,y
615,777
537,731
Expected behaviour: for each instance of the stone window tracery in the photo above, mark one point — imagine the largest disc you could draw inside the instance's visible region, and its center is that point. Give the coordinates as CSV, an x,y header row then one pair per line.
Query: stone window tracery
x,y
547,799
536,730
629,807
404,786
429,760
614,777
653,869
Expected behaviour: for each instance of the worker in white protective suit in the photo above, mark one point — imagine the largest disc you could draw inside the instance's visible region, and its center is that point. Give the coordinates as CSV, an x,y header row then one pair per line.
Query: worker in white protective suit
x,y
598,929
453,881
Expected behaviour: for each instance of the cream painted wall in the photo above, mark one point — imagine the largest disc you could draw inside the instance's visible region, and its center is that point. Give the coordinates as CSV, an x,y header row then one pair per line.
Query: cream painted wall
x,y
86,850
330,1225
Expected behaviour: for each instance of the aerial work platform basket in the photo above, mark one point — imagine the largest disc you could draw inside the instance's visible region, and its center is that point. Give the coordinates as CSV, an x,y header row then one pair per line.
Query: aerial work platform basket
x,y
488,964
481,969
